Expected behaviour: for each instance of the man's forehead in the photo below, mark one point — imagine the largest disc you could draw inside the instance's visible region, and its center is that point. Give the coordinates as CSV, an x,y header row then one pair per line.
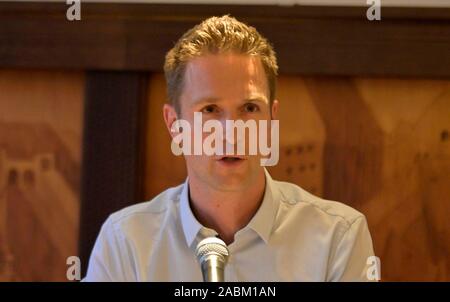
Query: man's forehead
x,y
215,76
225,65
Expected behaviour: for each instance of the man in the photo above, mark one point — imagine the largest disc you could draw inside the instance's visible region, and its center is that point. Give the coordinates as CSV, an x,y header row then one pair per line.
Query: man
x,y
275,231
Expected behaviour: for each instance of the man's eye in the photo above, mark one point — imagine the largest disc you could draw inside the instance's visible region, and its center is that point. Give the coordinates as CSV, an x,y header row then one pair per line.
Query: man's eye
x,y
251,107
209,109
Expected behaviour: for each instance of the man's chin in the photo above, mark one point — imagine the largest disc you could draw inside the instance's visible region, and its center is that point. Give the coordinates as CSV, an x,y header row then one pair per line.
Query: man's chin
x,y
237,182
231,180
230,187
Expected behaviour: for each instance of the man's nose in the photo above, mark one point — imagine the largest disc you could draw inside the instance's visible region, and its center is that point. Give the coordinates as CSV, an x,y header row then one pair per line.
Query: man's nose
x,y
231,135
228,116
231,115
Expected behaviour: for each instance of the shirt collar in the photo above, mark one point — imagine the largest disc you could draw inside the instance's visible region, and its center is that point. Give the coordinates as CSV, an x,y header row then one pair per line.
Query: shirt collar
x,y
190,224
262,222
264,219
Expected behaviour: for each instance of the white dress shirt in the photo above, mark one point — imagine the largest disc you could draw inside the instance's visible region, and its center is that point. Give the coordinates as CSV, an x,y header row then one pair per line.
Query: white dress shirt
x,y
294,236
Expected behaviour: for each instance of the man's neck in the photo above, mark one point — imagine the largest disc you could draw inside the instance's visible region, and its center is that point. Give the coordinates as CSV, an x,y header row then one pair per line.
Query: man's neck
x,y
226,212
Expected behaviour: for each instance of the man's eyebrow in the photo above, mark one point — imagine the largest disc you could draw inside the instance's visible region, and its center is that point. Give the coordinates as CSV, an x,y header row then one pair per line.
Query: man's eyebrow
x,y
206,100
257,98
212,100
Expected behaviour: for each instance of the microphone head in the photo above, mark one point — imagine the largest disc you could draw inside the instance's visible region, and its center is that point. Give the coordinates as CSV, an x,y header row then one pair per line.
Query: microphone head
x,y
212,246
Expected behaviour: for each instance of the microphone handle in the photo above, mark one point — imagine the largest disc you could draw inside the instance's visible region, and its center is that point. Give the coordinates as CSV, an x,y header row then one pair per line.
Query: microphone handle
x,y
213,269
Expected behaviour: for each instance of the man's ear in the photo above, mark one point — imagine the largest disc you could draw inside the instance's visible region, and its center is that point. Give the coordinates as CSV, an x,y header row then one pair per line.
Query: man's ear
x,y
170,116
274,108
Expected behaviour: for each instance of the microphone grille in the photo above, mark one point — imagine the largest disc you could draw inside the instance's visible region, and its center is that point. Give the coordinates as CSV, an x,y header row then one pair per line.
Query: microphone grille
x,y
211,245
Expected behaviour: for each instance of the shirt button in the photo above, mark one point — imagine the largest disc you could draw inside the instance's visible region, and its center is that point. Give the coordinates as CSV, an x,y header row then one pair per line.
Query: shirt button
x,y
290,201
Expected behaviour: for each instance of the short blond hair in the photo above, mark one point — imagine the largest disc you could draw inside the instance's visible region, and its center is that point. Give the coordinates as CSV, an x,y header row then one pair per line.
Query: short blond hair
x,y
213,36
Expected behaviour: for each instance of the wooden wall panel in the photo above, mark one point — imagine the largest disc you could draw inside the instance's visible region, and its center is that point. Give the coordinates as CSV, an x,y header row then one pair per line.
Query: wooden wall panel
x,y
112,154
319,40
162,168
41,116
408,214
380,145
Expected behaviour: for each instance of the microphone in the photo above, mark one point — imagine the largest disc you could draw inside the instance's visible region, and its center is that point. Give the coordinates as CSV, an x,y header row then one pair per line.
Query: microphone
x,y
212,254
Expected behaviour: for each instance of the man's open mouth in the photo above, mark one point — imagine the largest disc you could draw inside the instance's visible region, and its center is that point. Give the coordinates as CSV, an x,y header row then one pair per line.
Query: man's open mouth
x,y
231,159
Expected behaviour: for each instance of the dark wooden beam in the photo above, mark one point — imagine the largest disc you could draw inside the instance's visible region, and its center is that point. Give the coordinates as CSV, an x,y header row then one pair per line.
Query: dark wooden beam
x,y
308,40
112,149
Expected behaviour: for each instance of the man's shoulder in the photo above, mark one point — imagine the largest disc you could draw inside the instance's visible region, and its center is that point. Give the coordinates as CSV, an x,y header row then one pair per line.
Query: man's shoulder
x,y
297,199
151,209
